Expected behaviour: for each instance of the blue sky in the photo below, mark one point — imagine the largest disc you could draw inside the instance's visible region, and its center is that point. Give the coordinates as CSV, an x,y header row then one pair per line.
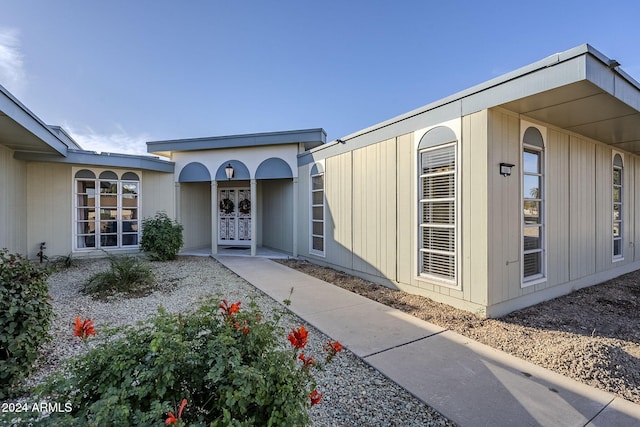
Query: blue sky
x,y
119,73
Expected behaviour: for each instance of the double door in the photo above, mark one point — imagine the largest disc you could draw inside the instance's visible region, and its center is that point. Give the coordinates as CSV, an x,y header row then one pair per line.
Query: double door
x,y
234,216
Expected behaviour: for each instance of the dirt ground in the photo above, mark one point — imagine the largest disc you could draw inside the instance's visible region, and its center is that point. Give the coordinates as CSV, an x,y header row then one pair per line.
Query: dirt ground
x,y
591,335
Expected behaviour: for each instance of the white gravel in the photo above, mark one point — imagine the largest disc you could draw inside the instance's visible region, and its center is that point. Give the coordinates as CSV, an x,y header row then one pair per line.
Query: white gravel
x,y
354,393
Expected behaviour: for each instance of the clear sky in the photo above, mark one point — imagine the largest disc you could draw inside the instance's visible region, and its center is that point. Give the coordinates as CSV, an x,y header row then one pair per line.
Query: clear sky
x,y
118,73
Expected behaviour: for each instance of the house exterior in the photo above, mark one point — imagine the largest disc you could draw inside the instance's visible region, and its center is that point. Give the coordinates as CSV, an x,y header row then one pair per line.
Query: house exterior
x,y
515,191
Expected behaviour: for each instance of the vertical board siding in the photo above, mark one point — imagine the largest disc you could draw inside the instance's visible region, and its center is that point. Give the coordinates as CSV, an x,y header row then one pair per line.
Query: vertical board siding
x,y
504,207
406,202
374,198
557,219
49,208
195,211
474,199
13,209
338,210
157,193
602,228
582,203
277,214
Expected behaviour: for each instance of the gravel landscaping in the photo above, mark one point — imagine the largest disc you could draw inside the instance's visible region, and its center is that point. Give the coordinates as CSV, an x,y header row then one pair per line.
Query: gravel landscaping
x,y
591,335
354,393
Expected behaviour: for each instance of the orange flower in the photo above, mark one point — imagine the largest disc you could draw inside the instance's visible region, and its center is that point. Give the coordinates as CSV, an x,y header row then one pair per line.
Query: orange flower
x,y
83,329
171,419
315,397
307,362
332,348
245,327
229,309
298,337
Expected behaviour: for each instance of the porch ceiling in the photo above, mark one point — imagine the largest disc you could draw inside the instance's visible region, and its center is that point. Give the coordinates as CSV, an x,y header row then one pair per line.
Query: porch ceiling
x,y
586,109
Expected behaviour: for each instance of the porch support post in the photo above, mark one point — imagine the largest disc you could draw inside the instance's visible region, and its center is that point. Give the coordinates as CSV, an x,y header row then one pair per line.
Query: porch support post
x,y
295,216
254,217
178,219
214,217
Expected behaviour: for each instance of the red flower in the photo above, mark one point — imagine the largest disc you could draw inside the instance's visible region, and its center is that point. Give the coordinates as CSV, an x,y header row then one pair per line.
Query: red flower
x,y
245,327
315,397
171,419
298,337
227,309
332,348
83,329
307,362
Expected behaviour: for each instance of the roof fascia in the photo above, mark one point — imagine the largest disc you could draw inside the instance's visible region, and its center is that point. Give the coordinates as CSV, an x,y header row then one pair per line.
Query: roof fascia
x,y
91,158
305,136
14,109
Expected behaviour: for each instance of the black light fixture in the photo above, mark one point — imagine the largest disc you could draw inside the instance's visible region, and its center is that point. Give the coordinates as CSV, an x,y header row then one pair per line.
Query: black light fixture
x,y
505,169
229,171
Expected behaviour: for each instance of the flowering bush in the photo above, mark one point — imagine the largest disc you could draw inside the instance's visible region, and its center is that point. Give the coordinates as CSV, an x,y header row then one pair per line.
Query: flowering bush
x,y
226,366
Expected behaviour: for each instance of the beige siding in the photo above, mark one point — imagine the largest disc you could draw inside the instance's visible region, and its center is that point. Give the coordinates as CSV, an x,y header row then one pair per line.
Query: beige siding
x,y
49,208
557,207
158,193
338,210
406,256
582,203
374,214
474,200
13,194
277,214
195,213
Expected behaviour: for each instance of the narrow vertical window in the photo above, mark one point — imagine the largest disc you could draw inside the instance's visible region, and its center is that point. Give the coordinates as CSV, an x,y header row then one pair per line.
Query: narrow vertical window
x,y
533,205
617,207
438,212
317,211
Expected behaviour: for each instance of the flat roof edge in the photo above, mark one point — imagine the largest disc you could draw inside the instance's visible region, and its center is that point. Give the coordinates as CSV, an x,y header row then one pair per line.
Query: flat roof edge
x,y
315,135
92,158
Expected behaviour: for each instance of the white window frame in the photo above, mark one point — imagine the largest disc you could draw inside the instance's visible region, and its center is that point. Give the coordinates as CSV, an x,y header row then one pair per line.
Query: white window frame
x,y
542,275
620,221
313,221
439,278
119,209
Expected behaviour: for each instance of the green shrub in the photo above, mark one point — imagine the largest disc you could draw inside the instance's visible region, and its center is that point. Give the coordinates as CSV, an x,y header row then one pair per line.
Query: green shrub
x,y
25,315
230,368
161,237
128,275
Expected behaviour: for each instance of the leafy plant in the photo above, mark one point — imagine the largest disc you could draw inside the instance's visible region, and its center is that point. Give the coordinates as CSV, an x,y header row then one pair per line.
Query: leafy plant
x,y
161,237
220,366
62,262
128,275
25,315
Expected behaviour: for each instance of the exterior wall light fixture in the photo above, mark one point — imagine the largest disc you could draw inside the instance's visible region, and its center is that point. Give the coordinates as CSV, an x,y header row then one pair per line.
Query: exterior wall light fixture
x,y
229,171
505,169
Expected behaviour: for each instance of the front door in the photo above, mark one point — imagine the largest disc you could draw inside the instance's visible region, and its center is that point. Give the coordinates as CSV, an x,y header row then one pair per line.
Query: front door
x,y
234,216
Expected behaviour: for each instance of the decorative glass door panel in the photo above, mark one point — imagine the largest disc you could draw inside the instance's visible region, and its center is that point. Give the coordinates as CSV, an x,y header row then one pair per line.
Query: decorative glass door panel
x,y
234,216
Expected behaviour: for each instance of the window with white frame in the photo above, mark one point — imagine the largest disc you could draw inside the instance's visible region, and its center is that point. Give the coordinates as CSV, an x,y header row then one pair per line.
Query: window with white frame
x,y
617,206
437,229
533,221
106,210
317,211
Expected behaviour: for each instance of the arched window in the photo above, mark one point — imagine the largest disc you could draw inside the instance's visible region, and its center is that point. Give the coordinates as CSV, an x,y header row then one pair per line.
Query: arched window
x,y
618,200
106,210
533,194
438,220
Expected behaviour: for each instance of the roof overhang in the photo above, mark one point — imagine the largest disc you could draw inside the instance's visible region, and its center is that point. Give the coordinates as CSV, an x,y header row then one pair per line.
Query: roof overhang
x,y
311,138
91,158
580,90
21,130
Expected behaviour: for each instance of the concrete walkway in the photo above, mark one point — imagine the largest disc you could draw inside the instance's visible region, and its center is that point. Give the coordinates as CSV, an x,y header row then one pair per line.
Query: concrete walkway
x,y
467,382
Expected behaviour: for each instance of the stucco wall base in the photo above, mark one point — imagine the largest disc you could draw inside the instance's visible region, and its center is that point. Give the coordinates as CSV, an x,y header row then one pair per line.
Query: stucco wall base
x,y
503,308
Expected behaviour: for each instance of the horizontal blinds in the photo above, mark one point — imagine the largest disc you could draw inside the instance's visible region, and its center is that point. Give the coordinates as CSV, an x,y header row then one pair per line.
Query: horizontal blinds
x,y
438,212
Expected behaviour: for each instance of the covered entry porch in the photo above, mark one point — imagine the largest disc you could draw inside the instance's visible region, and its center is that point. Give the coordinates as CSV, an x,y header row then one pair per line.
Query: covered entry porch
x,y
241,214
